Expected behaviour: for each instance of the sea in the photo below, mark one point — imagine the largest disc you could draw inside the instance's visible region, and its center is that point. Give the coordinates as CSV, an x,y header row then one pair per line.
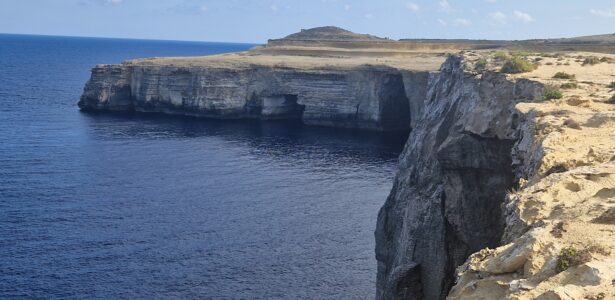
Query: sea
x,y
143,206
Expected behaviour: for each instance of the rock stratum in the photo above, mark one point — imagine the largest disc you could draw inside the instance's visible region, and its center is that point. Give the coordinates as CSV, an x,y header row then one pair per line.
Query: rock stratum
x,y
319,86
500,193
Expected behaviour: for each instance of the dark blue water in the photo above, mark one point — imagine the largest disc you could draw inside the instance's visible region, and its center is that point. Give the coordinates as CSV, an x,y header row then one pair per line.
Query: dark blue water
x,y
144,206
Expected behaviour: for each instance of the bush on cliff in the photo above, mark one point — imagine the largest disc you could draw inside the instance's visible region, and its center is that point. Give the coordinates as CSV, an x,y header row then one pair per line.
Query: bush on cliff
x,y
570,257
592,60
569,85
481,64
563,75
515,65
552,92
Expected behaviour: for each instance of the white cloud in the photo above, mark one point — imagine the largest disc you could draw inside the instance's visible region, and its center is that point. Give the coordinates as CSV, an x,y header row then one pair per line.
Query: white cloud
x,y
462,22
608,13
445,6
442,22
515,16
369,16
522,16
347,7
499,17
411,6
115,1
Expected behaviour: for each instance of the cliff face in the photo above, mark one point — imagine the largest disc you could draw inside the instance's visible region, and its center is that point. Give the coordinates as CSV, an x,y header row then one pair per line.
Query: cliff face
x,y
364,97
560,221
502,194
453,177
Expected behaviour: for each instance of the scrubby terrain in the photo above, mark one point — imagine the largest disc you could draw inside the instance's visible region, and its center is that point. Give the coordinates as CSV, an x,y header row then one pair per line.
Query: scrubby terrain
x,y
560,234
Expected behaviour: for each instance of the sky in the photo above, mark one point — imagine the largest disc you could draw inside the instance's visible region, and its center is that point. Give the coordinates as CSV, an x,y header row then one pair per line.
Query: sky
x,y
255,21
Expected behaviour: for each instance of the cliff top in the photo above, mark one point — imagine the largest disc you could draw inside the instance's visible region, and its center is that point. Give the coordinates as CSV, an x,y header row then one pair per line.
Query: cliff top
x,y
316,61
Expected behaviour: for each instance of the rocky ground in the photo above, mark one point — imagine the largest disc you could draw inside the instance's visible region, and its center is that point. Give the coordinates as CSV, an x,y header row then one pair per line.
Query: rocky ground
x,y
560,221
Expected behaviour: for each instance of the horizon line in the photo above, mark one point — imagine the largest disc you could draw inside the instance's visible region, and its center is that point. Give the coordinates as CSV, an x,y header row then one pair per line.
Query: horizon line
x,y
128,38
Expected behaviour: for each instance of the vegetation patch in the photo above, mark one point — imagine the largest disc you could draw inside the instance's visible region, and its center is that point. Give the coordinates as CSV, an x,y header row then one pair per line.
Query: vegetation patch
x,y
563,75
592,60
500,55
570,257
516,65
569,85
552,92
611,85
612,100
481,64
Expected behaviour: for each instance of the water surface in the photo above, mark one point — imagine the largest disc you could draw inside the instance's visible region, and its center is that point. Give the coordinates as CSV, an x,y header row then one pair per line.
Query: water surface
x,y
103,206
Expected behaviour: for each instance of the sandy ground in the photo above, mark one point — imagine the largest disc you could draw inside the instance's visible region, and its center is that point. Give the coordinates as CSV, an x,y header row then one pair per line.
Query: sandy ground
x,y
569,203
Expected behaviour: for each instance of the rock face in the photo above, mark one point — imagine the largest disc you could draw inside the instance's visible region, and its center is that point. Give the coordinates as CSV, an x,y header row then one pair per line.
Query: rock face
x,y
363,97
454,173
559,235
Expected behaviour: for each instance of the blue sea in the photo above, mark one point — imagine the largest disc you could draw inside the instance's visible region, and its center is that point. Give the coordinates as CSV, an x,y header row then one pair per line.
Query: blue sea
x,y
133,206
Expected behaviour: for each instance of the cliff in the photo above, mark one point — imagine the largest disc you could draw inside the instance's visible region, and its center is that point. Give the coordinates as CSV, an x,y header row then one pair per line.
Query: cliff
x,y
350,92
501,194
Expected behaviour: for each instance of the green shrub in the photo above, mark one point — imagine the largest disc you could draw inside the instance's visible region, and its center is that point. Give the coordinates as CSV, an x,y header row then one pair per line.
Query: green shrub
x,y
563,75
500,55
481,64
569,85
517,65
570,257
551,92
565,258
592,60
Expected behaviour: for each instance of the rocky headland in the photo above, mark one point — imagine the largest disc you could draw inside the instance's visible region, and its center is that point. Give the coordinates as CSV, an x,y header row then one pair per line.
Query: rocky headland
x,y
506,186
350,88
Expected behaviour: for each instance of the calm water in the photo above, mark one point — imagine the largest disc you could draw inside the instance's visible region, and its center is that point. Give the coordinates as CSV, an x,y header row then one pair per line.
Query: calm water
x,y
133,206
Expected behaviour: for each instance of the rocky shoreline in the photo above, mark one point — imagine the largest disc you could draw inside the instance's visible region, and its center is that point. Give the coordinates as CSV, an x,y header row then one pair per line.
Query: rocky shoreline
x,y
362,97
497,183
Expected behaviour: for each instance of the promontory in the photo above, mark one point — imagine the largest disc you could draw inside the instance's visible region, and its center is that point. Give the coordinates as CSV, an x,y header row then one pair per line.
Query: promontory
x,y
506,185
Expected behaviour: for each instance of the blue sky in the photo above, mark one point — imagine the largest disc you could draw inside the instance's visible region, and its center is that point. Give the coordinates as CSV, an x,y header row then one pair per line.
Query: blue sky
x,y
257,20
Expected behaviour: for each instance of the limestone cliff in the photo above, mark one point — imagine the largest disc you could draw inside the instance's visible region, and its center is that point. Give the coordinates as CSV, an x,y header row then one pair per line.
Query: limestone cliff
x,y
491,163
358,96
454,173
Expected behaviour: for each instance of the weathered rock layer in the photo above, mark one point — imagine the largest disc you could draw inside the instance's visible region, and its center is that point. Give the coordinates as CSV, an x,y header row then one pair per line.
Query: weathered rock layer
x,y
364,97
